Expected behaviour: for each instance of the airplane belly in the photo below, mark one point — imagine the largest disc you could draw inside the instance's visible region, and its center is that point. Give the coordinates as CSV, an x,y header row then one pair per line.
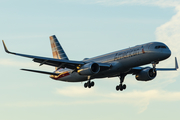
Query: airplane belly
x,y
115,70
74,77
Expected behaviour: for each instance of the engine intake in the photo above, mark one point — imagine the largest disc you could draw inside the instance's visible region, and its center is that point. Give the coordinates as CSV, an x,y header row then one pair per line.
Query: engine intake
x,y
89,69
146,74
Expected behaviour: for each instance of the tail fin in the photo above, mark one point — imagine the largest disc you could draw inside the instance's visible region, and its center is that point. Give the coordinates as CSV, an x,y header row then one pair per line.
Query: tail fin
x,y
57,50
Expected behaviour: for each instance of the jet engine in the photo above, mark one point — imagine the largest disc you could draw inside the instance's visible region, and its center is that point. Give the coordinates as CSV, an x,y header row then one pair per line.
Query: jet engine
x,y
146,74
89,69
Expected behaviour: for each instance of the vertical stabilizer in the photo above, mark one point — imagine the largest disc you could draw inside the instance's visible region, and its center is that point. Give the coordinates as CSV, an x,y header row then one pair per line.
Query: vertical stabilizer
x,y
57,50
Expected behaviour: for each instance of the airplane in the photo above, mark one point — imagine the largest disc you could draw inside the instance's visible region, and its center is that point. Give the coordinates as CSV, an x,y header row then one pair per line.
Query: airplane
x,y
115,64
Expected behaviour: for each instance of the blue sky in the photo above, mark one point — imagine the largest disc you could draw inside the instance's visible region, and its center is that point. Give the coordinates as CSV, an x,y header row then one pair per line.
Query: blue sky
x,y
86,29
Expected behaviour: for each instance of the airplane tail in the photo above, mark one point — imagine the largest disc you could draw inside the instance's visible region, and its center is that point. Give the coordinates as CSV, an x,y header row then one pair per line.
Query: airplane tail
x,y
57,50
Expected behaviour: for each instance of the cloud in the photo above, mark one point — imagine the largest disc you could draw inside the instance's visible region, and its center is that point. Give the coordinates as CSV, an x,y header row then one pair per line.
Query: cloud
x,y
168,33
161,3
129,97
81,96
151,95
142,105
10,62
19,64
74,91
139,99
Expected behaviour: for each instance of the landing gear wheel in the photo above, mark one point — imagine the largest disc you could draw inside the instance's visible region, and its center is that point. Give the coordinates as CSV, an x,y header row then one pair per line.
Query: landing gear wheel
x,y
121,87
124,86
92,84
89,86
117,87
85,85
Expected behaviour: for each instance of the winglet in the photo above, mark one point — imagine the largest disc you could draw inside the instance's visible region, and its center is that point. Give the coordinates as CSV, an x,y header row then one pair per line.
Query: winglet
x,y
176,64
5,48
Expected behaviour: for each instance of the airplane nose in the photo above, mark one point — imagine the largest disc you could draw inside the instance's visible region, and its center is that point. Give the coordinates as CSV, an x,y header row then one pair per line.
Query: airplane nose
x,y
167,53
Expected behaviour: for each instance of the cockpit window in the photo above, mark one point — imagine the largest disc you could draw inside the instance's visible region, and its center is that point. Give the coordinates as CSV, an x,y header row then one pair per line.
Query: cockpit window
x,y
157,47
163,46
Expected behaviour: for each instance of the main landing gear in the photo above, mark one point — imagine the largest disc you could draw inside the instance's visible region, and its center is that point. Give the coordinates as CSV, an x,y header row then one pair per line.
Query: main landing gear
x,y
121,86
89,84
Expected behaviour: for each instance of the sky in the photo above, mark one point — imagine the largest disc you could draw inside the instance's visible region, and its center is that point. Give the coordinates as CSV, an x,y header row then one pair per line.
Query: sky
x,y
86,29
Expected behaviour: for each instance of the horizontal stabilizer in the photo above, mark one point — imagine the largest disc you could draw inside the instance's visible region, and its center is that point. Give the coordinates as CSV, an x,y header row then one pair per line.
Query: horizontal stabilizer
x,y
43,72
169,69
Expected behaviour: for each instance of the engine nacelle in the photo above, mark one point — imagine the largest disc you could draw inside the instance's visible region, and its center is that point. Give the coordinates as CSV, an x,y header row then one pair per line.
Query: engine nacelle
x,y
146,74
89,69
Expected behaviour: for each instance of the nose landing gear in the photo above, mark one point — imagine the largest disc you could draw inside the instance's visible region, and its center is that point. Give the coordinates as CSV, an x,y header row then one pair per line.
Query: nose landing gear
x,y
154,66
121,86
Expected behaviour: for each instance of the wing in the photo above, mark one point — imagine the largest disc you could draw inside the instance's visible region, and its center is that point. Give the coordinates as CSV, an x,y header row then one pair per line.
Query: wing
x,y
55,62
169,69
138,69
49,61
